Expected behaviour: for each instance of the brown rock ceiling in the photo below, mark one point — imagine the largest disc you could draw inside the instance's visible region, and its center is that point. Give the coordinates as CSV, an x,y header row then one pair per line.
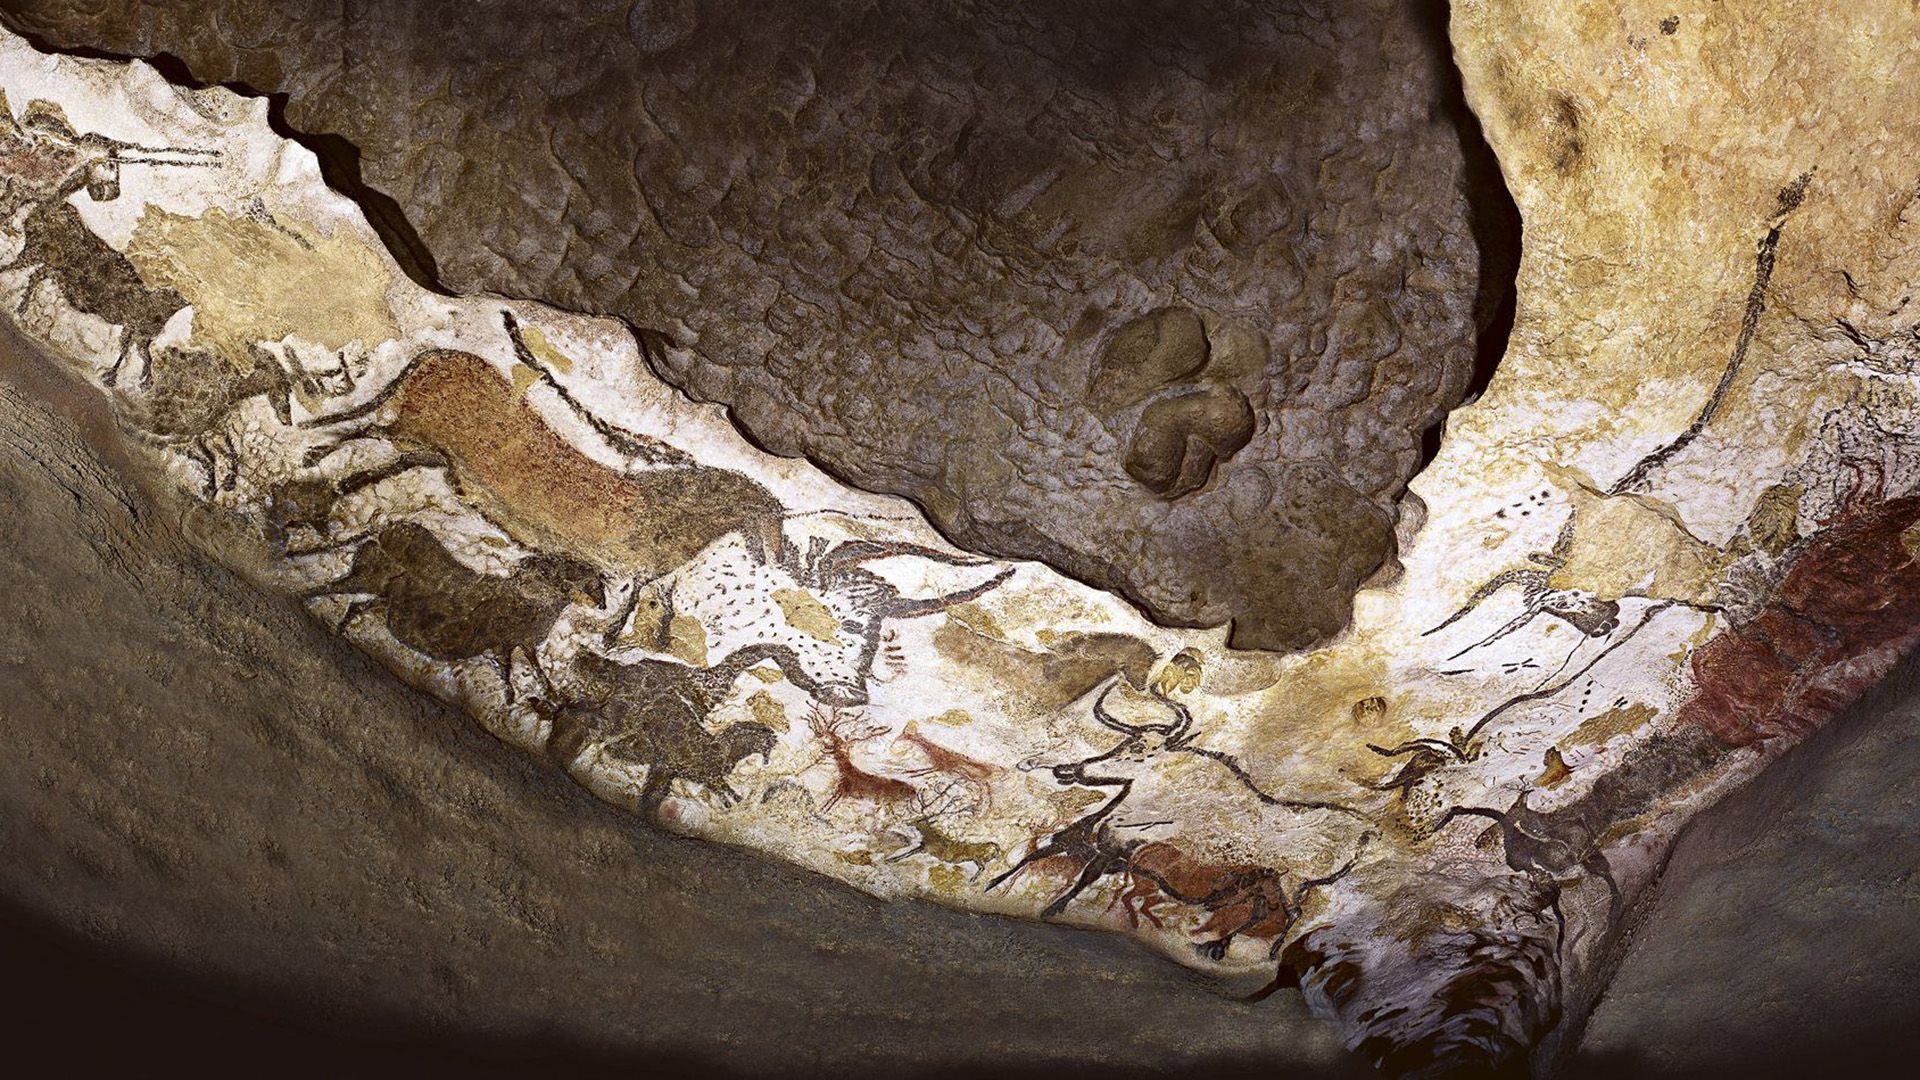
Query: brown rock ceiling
x,y
1164,294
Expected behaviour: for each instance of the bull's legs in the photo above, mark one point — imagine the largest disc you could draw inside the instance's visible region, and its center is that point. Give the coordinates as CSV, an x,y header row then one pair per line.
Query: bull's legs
x,y
210,455
144,346
539,669
26,292
1096,868
618,623
354,612
201,451
112,374
230,455
1216,949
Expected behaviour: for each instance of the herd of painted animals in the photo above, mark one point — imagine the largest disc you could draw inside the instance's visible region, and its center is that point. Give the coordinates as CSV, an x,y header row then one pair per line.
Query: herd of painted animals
x,y
499,502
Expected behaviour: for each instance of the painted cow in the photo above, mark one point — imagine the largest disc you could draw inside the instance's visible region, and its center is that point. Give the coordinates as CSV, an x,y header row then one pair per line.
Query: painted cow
x,y
821,612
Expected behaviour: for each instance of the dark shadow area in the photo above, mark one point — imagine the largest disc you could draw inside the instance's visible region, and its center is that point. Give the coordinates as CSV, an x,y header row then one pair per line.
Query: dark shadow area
x,y
1782,942
1888,1053
1495,221
86,1009
98,1011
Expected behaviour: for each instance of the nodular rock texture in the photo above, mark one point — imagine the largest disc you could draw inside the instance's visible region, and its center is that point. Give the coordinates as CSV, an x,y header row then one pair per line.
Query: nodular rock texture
x,y
1166,295
1675,537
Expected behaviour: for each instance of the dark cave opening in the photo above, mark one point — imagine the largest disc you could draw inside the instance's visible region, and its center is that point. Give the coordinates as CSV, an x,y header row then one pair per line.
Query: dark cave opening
x,y
1495,220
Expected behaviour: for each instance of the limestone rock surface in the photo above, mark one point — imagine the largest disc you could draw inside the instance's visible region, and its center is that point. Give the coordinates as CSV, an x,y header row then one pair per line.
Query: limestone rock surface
x,y
1166,295
201,776
1674,538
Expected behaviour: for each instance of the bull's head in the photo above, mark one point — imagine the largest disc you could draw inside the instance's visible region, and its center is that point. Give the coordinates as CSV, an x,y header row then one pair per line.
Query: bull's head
x,y
90,161
1143,742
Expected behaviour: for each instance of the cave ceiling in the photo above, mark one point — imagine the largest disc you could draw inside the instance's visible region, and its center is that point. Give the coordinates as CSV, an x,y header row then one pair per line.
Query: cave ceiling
x,y
1168,296
593,452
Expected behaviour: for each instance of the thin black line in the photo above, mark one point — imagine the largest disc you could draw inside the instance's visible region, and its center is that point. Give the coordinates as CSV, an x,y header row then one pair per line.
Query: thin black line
x,y
1791,197
1547,692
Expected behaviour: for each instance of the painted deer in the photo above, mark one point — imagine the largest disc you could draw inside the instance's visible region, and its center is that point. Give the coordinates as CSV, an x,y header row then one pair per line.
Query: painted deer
x,y
941,759
839,732
927,835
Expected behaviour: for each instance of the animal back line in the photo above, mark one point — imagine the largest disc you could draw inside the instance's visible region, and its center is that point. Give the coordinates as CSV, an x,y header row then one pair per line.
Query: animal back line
x,y
1791,197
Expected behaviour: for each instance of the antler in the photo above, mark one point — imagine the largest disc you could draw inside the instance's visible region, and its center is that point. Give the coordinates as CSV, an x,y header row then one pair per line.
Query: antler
x,y
840,725
939,802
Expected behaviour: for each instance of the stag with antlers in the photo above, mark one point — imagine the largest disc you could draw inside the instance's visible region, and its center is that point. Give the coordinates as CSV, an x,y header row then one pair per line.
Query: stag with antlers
x,y
926,836
839,731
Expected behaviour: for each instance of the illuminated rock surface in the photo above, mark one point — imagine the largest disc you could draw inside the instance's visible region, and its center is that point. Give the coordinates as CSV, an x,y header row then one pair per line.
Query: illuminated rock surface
x,y
1165,295
1673,537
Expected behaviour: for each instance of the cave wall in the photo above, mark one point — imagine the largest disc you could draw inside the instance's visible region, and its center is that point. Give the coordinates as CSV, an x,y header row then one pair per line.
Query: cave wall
x,y
201,777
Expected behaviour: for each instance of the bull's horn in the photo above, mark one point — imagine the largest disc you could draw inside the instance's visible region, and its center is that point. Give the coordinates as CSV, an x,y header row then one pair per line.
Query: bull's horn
x,y
854,552
913,609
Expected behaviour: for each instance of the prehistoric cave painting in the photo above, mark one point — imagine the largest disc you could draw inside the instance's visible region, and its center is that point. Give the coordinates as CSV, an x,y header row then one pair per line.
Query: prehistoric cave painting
x,y
927,837
1433,826
454,410
910,244
184,394
435,604
1254,899
1579,609
653,713
1787,664
1766,250
817,605
1612,549
47,162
